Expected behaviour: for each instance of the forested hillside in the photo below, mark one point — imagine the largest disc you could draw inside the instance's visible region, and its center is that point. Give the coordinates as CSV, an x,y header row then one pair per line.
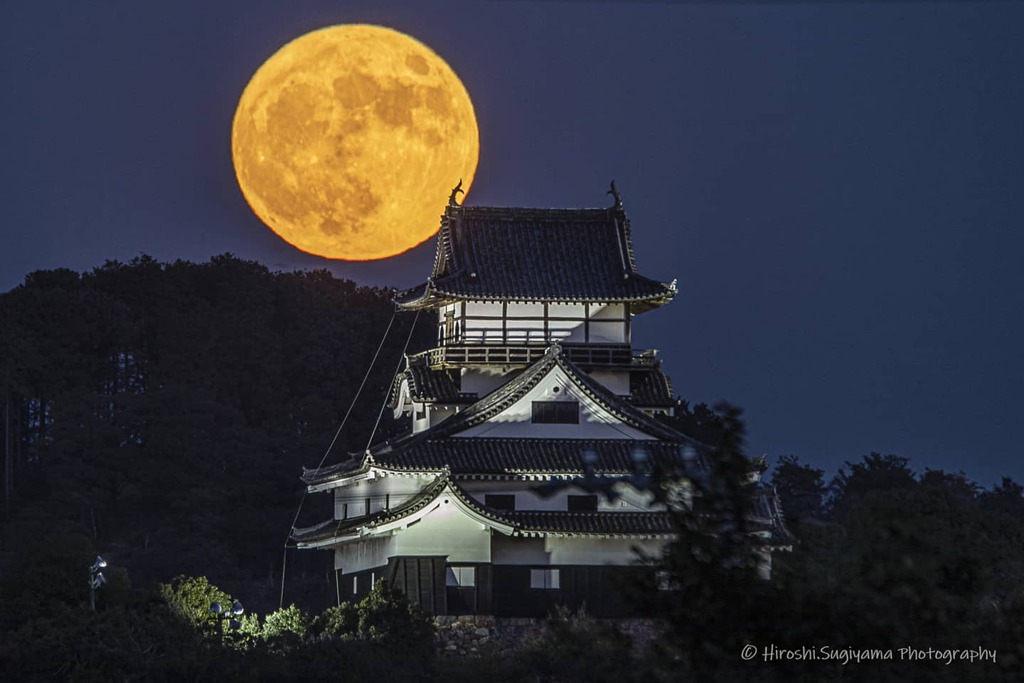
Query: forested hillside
x,y
164,411
160,414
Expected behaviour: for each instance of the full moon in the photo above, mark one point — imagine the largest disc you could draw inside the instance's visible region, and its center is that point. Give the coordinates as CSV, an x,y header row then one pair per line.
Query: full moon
x,y
348,141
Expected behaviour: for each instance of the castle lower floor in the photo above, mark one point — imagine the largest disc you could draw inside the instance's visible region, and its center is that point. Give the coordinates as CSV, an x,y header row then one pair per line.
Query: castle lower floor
x,y
442,588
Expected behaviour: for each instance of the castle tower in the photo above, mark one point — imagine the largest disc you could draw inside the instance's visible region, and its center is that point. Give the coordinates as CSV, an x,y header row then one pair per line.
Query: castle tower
x,y
533,380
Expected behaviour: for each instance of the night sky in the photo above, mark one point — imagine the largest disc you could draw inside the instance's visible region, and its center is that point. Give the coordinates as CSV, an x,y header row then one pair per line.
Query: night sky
x,y
838,187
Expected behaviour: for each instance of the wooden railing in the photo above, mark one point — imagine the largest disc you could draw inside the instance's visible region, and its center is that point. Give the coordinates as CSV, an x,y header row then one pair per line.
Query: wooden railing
x,y
588,355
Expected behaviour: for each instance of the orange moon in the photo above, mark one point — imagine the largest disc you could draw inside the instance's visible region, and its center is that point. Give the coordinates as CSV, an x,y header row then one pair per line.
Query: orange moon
x,y
348,141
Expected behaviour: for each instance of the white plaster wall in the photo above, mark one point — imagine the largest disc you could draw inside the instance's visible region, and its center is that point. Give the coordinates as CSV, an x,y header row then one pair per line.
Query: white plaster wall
x,y
607,311
483,381
615,381
446,530
355,557
483,308
527,498
570,331
483,330
418,423
607,324
575,550
608,332
567,310
393,490
438,415
525,331
516,310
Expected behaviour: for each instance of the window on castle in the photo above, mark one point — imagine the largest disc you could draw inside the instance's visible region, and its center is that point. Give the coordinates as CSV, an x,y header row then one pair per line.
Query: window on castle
x,y
462,577
556,412
544,579
500,501
583,503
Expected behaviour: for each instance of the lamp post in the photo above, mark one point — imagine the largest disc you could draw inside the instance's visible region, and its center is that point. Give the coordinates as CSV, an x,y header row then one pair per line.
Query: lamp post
x,y
96,579
218,612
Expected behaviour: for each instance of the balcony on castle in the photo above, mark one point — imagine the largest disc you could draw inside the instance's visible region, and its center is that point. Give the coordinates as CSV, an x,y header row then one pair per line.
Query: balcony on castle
x,y
479,354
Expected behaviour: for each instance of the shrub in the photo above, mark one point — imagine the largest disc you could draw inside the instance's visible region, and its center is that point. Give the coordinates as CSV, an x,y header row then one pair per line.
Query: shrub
x,y
336,622
285,629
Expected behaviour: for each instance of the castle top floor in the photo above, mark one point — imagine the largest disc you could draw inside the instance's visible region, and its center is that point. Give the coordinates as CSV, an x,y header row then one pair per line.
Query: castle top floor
x,y
501,257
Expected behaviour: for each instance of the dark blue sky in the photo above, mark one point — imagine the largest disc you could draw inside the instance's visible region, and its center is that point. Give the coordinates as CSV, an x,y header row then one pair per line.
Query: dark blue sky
x,y
838,187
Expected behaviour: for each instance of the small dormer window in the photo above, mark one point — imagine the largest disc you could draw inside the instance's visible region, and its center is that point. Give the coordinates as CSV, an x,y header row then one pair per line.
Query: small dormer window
x,y
500,501
556,412
582,503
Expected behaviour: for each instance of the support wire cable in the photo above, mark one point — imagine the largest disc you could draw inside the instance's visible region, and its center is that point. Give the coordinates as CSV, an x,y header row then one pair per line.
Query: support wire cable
x,y
344,420
384,405
398,367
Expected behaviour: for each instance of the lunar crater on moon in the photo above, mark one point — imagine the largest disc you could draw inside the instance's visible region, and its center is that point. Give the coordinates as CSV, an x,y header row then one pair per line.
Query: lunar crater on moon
x,y
347,142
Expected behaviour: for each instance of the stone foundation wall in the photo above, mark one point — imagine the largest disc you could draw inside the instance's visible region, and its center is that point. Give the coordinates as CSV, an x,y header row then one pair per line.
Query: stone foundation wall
x,y
476,636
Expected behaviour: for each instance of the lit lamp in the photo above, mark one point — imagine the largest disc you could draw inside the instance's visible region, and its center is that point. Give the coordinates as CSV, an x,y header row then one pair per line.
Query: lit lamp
x,y
218,612
96,579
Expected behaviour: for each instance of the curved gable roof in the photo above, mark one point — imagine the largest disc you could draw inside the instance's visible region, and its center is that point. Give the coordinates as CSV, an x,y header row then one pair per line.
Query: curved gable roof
x,y
410,453
523,523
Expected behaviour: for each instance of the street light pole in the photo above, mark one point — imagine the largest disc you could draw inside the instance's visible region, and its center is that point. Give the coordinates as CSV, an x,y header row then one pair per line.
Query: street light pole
x,y
96,579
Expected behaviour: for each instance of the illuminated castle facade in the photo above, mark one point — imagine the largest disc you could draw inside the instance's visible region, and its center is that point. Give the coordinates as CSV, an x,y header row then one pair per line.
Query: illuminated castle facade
x,y
533,381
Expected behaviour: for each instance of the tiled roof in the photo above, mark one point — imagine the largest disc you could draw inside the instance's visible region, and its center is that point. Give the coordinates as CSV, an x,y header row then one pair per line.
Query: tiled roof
x,y
522,522
605,523
338,527
650,387
768,509
489,253
518,386
482,456
538,452
429,385
571,522
525,456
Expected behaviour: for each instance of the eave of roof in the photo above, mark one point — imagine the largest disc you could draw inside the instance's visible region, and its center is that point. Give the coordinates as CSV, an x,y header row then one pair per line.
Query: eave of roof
x,y
515,523
332,529
484,457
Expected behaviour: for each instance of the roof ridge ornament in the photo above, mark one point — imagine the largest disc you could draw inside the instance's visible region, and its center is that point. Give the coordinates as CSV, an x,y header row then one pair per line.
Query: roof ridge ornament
x,y
455,191
614,192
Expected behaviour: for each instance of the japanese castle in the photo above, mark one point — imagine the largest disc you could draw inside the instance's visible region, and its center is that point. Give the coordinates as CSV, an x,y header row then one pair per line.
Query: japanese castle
x,y
533,381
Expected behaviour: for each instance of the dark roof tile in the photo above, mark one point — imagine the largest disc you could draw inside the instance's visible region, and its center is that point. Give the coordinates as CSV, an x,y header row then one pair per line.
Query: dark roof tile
x,y
429,385
650,388
489,253
546,521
